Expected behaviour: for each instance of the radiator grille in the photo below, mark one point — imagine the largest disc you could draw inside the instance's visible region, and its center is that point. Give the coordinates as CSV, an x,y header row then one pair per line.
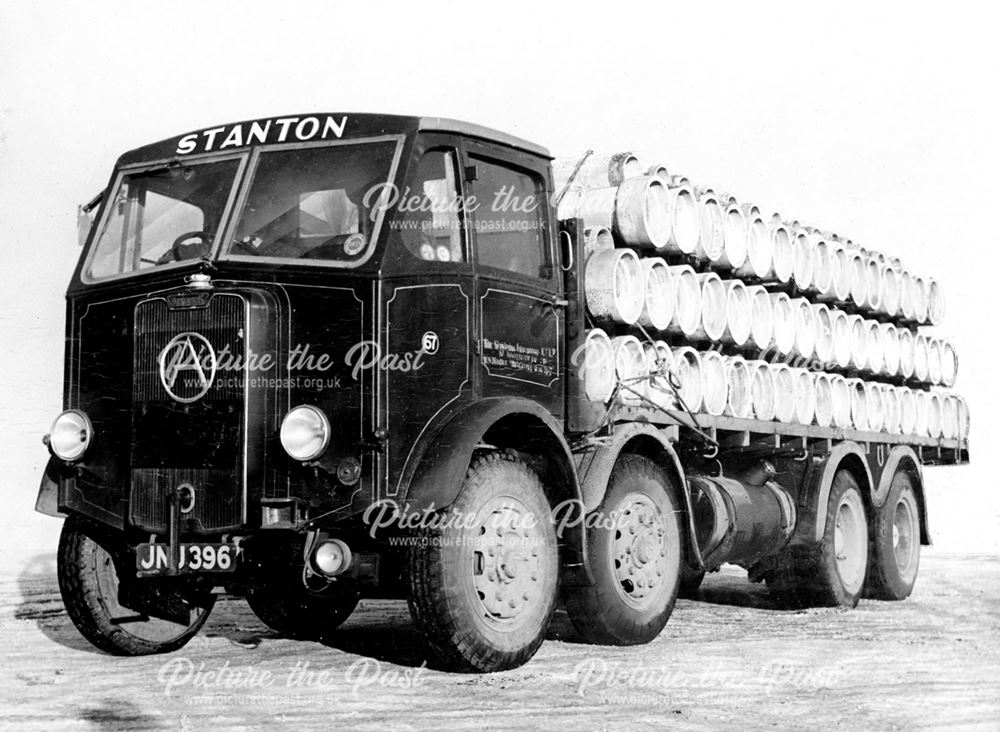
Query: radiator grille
x,y
198,442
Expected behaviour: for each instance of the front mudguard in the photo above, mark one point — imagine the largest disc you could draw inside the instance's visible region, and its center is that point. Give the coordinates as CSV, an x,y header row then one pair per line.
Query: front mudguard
x,y
47,501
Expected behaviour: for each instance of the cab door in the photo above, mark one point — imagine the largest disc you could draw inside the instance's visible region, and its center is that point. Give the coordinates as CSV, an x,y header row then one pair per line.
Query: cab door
x,y
519,310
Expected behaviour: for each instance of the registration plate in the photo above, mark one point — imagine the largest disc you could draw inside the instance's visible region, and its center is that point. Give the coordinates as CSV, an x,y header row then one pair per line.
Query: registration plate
x,y
198,557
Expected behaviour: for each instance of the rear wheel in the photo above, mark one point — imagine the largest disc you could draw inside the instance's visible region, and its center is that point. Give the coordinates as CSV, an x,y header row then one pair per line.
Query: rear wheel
x,y
834,572
482,579
634,543
150,616
895,542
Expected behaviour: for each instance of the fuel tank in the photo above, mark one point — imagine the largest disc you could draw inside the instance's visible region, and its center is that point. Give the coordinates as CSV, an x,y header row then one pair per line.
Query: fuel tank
x,y
741,519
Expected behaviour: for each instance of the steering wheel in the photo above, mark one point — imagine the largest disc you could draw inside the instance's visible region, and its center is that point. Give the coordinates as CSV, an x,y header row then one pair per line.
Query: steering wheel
x,y
181,249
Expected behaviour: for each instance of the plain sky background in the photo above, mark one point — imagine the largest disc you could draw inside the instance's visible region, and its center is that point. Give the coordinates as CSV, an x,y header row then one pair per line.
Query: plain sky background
x,y
880,124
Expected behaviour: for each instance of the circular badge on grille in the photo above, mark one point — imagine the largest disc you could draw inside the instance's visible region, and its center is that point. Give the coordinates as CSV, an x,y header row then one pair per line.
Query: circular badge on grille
x,y
187,367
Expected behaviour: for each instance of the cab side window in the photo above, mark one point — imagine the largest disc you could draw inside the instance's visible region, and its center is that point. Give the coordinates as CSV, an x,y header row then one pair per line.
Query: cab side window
x,y
510,219
430,221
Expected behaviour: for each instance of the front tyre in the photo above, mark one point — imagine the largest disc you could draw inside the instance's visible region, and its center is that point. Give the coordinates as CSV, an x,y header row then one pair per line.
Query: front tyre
x,y
90,584
895,542
634,543
482,579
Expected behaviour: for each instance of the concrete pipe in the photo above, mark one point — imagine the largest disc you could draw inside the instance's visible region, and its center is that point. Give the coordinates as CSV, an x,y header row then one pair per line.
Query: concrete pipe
x,y
891,291
875,347
687,306
920,299
598,366
804,395
859,282
920,425
783,330
842,341
859,343
597,171
934,415
873,285
935,302
711,239
840,396
921,358
859,404
759,248
739,401
784,393
907,410
739,313
687,366
714,304
949,417
890,349
642,214
804,319
659,171
802,272
714,383
685,220
613,286
906,353
734,228
875,406
823,348
890,404
659,297
761,317
823,387
762,389
659,364
964,421
949,364
596,239
824,274
630,367
934,365
907,295
843,274
782,253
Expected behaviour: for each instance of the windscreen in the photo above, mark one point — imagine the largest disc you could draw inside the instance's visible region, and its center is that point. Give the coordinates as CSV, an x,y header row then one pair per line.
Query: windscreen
x,y
314,203
162,215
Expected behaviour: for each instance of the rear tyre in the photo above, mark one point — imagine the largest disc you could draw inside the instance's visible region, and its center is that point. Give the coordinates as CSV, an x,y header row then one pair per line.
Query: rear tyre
x,y
89,584
895,542
634,543
832,574
482,579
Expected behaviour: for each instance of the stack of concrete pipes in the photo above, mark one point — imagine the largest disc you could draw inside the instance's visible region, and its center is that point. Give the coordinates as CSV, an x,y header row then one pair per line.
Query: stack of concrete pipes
x,y
753,315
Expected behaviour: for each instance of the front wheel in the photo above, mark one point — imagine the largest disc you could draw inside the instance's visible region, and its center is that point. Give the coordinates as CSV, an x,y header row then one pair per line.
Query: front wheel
x,y
482,579
634,544
895,542
160,616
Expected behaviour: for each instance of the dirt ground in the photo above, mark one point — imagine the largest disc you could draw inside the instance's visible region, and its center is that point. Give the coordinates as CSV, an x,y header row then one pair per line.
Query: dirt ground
x,y
728,659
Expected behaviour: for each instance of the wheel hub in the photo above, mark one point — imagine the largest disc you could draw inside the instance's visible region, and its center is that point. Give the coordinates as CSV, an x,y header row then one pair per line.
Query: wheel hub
x,y
639,550
506,561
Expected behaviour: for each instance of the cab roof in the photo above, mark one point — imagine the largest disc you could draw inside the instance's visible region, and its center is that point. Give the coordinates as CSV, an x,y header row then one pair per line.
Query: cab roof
x,y
313,127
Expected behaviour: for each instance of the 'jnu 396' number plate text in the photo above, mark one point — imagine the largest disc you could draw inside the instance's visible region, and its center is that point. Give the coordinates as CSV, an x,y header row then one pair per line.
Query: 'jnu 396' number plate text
x,y
194,558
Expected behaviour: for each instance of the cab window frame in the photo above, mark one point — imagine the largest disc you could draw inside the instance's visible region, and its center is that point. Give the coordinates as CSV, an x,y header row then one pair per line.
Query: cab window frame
x,y
537,169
